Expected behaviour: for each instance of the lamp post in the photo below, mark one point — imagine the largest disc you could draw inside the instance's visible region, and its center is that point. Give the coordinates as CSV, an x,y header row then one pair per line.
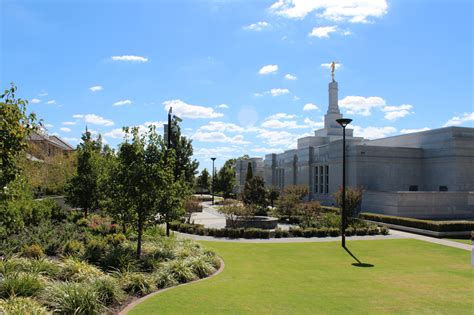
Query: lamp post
x,y
213,175
343,122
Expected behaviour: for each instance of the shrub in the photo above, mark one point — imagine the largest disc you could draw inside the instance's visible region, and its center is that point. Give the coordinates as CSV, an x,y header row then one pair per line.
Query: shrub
x,y
73,248
94,250
437,226
256,233
384,230
373,230
108,290
296,232
115,239
120,258
322,232
361,231
287,203
20,284
279,233
333,232
137,283
350,231
201,266
164,279
72,298
180,270
353,200
22,305
44,267
32,251
308,212
77,270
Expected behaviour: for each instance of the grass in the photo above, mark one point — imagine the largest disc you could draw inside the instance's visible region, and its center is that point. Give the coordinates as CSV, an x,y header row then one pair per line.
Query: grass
x,y
408,277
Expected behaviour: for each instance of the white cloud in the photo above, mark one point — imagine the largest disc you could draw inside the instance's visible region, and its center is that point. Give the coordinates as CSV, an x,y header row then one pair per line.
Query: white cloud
x,y
354,11
459,120
222,127
359,105
218,137
94,119
280,138
43,93
96,88
328,65
266,150
184,110
257,27
404,131
224,106
310,106
268,69
281,116
116,133
48,126
346,33
291,77
278,92
373,132
215,152
280,124
35,101
130,58
75,140
68,123
50,102
323,31
314,124
64,129
122,102
395,112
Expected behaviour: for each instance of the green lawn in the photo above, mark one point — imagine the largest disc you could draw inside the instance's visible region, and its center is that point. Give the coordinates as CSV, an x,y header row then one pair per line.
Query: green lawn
x,y
408,277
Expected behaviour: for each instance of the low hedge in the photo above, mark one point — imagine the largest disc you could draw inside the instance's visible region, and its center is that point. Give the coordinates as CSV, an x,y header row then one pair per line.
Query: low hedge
x,y
437,226
265,234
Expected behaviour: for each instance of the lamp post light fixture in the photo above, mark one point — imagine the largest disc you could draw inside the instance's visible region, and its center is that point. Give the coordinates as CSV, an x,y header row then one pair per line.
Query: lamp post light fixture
x,y
213,175
343,122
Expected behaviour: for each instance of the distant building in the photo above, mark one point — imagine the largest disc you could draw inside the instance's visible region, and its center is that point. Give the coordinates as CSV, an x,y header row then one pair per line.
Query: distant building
x,y
43,145
427,174
241,169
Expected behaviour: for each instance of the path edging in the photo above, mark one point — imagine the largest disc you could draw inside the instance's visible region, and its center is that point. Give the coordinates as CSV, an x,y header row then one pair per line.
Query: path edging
x,y
130,306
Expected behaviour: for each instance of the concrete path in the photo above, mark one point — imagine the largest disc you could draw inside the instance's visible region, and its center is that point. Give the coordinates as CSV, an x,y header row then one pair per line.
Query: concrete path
x,y
289,239
434,240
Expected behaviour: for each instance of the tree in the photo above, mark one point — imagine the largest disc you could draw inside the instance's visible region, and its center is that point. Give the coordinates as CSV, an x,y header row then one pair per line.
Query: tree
x,y
232,210
273,194
225,179
292,196
83,189
203,181
249,172
255,194
185,167
353,200
146,179
308,212
15,126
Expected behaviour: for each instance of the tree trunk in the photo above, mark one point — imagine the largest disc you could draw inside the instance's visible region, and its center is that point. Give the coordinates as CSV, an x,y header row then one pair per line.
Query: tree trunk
x,y
167,228
139,238
85,212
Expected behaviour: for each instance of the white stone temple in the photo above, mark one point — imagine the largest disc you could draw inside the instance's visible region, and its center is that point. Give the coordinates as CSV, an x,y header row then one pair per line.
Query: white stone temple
x,y
427,174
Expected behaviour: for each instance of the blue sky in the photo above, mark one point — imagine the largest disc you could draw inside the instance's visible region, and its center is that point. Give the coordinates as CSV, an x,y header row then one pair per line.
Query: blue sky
x,y
247,77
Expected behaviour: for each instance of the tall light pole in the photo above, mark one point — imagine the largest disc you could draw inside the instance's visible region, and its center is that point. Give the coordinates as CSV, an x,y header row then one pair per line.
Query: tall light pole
x,y
213,175
343,122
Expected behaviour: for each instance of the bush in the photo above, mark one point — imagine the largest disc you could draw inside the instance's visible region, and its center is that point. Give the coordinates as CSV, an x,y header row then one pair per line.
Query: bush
x,y
32,251
350,231
384,230
192,205
20,284
137,283
437,226
296,232
94,250
373,230
201,266
115,239
72,298
108,290
120,258
361,231
79,271
180,270
73,248
164,279
256,233
333,232
21,305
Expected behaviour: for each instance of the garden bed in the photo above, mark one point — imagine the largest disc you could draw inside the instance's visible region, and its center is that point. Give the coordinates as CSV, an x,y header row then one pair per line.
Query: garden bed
x,y
252,233
257,222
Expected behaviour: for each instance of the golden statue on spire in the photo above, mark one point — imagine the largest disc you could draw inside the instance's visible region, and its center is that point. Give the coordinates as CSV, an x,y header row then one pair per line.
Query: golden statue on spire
x,y
333,68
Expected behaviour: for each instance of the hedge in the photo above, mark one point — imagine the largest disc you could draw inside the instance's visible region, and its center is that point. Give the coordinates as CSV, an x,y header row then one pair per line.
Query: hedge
x,y
437,226
265,234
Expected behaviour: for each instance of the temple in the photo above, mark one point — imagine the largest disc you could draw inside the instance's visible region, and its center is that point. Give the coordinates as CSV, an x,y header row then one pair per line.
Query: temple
x,y
428,174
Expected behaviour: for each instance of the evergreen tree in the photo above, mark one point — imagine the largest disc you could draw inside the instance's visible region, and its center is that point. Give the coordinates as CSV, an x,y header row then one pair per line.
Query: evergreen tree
x,y
225,179
255,194
82,190
249,172
203,181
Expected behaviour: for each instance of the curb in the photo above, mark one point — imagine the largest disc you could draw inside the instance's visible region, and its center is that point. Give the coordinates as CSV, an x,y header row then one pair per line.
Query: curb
x,y
130,306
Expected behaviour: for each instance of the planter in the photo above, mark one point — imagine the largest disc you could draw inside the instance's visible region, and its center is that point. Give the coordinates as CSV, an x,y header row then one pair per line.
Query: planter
x,y
258,222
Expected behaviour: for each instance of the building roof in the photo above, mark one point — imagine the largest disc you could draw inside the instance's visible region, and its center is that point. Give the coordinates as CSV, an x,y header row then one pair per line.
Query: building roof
x,y
54,140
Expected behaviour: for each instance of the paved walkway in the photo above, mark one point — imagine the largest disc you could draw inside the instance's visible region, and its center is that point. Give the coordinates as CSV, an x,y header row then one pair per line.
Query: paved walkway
x,y
434,240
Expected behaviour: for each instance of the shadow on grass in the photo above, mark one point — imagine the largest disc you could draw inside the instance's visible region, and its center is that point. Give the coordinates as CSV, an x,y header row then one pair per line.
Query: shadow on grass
x,y
358,263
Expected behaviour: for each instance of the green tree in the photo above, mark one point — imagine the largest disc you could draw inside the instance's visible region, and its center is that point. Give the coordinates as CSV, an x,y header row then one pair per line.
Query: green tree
x,y
255,194
82,190
292,196
249,172
273,194
203,181
353,200
146,179
185,167
15,126
225,179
